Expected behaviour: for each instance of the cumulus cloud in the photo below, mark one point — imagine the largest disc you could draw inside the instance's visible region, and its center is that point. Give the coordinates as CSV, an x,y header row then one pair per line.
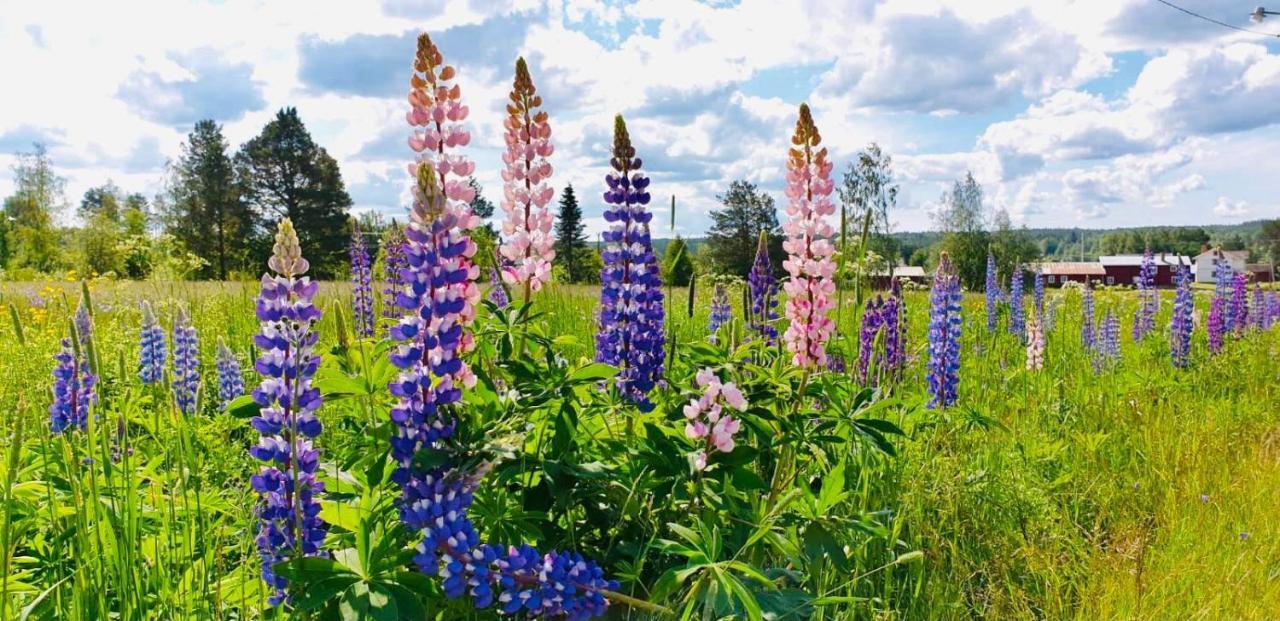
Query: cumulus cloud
x,y
209,88
1228,208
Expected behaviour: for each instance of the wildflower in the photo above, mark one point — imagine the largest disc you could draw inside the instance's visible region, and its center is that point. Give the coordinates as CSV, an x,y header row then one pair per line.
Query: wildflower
x,y
73,394
1239,308
631,335
497,293
1017,310
992,293
872,322
84,327
1148,298
1224,279
810,286
1107,353
151,348
1035,345
708,419
1051,313
944,336
1217,324
893,317
186,363
361,284
763,287
836,362
528,243
1181,323
721,312
393,263
230,381
1088,329
1258,312
286,483
1037,284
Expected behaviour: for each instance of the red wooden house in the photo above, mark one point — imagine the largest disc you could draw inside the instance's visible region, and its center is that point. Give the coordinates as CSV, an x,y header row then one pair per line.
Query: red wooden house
x,y
1123,269
1062,272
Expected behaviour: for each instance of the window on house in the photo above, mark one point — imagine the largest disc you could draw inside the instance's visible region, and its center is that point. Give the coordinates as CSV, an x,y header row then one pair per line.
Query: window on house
x,y
1111,280
1052,279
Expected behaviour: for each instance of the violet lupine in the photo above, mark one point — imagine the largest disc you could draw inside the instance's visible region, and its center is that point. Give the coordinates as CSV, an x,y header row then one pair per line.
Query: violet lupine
x,y
230,380
1258,312
84,326
1035,344
1051,313
631,335
1217,324
1272,310
721,312
73,394
1037,290
286,483
893,316
810,287
872,323
361,284
1239,308
497,293
186,363
1107,354
763,287
393,263
1181,323
708,419
1088,324
992,292
151,348
527,245
944,336
1144,320
1017,308
1224,278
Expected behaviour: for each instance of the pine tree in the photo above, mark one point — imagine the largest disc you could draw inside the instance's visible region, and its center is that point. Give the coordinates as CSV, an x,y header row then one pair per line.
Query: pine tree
x,y
571,238
205,209
735,229
285,174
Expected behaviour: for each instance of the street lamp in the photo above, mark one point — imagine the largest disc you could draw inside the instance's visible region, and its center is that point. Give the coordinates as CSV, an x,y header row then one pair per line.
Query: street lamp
x,y
1260,14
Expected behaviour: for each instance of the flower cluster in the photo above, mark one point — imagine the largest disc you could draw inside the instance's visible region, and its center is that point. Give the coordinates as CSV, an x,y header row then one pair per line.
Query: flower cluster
x,y
630,335
992,291
880,352
1239,309
393,263
944,336
1223,278
497,293
763,287
73,394
230,380
528,243
721,312
361,284
84,326
1017,309
1217,324
1107,354
1181,323
1148,298
707,419
1272,310
810,287
1258,314
151,348
1035,344
1037,284
186,363
1088,324
286,483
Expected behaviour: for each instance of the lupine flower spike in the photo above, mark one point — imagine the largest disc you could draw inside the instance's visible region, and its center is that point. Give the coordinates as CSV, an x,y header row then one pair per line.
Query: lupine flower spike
x,y
709,419
1217,325
1239,303
1258,308
1224,279
630,335
497,293
944,336
1088,324
73,389
151,348
1035,344
1181,323
1017,310
527,245
992,292
1038,292
1107,352
361,284
1148,298
186,363
893,315
286,483
872,323
721,312
393,263
763,287
810,287
230,380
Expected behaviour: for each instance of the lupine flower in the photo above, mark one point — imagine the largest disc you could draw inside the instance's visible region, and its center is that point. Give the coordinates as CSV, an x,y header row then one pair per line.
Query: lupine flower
x,y
1217,324
893,316
1224,278
708,419
810,287
1107,354
361,284
872,322
1258,313
1148,298
497,293
286,483
1017,309
84,326
1239,309
528,243
992,292
763,287
73,394
393,263
835,362
721,312
151,348
1181,323
186,363
1088,327
1035,345
631,335
944,336
1038,291
1273,310
230,380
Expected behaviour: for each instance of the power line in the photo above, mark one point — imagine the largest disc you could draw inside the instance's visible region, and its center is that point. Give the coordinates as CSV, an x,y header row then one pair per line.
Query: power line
x,y
1214,21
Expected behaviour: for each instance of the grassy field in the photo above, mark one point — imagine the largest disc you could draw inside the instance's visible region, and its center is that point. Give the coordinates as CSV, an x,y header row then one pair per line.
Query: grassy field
x,y
1138,492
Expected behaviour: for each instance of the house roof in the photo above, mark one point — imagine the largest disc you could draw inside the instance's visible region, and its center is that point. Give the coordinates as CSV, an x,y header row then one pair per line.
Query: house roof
x,y
1237,254
1072,268
1258,267
1135,260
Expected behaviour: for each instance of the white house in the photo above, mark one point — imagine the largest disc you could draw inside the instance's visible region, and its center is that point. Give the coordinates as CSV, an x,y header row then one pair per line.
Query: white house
x,y
1205,262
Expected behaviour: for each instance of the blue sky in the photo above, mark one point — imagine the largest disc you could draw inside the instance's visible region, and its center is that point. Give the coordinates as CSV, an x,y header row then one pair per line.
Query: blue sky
x,y
1089,113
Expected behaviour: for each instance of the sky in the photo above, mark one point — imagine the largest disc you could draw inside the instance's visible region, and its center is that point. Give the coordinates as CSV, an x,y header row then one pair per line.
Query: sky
x,y
1070,113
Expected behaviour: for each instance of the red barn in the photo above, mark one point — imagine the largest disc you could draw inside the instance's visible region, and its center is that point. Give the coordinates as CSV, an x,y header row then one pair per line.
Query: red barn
x,y
1061,273
1123,269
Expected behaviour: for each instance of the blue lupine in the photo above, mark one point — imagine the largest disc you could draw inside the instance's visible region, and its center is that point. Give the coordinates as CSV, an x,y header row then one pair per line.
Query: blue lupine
x,y
1216,326
361,284
497,292
1272,310
893,315
992,292
872,322
230,380
84,326
393,264
1038,292
550,585
1107,353
763,287
721,312
151,350
186,363
944,336
1144,320
1017,309
1088,326
73,394
631,335
1181,323
1223,278
1239,308
1258,312
288,506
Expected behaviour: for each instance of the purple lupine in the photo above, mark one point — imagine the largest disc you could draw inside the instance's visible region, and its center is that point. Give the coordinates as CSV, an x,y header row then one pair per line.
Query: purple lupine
x,y
836,362
230,380
764,292
1258,312
1088,327
1144,320
1037,282
721,312
186,363
361,284
1272,310
1239,308
84,326
73,394
151,348
497,292
1051,313
631,335
1017,309
1223,279
393,264
1180,325
1217,324
1107,353
286,484
895,331
992,292
944,336
872,322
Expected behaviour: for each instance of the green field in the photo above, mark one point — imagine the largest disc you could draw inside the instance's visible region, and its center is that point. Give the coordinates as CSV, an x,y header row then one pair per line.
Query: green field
x,y
1139,492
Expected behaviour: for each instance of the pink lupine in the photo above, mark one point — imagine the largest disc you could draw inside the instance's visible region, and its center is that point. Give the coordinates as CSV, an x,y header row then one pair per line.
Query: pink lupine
x,y
810,288
707,418
527,242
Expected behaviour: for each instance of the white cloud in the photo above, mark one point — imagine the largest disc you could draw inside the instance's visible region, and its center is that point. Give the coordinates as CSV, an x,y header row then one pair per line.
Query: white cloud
x,y
1228,208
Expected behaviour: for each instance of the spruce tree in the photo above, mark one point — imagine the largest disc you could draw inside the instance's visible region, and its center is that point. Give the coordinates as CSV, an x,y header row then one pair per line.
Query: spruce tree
x,y
571,238
735,229
205,210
